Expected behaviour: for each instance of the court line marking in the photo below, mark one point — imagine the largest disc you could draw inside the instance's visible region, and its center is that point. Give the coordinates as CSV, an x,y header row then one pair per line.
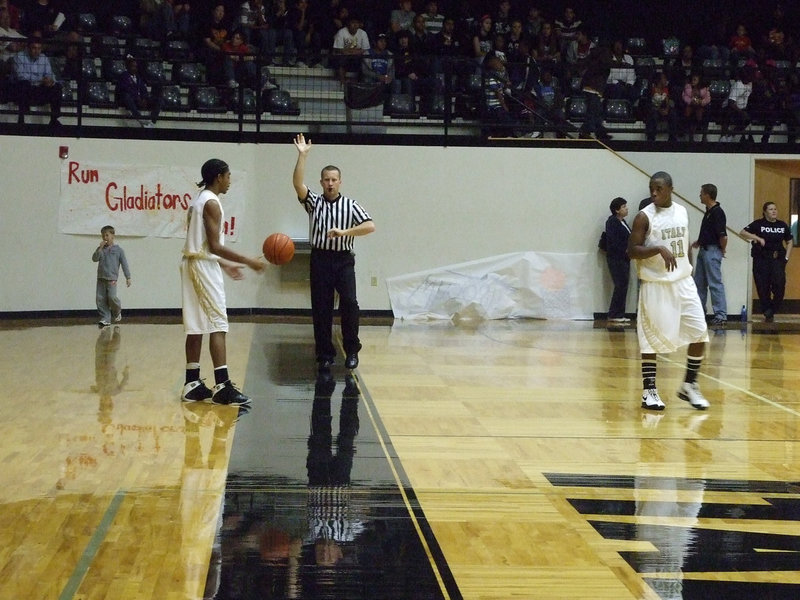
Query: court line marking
x,y
92,547
746,392
401,487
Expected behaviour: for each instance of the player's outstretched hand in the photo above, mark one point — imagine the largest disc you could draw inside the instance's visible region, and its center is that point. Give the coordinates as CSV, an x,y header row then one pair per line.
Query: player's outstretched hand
x,y
233,271
301,144
257,265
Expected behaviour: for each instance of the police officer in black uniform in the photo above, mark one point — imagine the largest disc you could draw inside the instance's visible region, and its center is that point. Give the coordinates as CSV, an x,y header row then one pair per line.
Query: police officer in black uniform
x,y
771,245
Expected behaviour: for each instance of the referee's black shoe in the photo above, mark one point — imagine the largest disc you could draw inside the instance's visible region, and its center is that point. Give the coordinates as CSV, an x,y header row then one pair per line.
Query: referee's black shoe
x,y
324,364
351,362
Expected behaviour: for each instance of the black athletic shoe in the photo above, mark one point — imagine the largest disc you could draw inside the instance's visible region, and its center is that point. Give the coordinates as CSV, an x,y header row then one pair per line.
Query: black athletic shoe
x,y
351,362
195,391
325,364
227,394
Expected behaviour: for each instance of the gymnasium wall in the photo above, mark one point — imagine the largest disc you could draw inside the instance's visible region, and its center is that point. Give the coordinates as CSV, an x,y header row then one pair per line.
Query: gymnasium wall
x,y
433,206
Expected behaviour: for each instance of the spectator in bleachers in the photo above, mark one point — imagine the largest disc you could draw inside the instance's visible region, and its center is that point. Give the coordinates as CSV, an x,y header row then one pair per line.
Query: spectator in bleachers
x,y
680,70
172,20
525,72
593,83
447,48
132,94
214,35
14,14
42,16
548,104
578,53
502,18
547,48
714,44
420,41
433,20
770,101
306,38
253,23
329,16
779,47
35,82
696,98
513,39
567,28
280,34
401,19
349,46
410,70
533,23
734,113
741,45
8,48
661,109
622,78
496,109
483,39
377,66
240,63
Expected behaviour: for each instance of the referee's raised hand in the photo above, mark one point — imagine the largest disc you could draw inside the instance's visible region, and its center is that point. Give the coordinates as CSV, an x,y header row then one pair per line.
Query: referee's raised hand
x,y
300,143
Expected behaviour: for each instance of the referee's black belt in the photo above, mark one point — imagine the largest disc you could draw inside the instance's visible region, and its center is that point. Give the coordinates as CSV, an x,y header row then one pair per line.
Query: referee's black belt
x,y
331,252
707,246
773,255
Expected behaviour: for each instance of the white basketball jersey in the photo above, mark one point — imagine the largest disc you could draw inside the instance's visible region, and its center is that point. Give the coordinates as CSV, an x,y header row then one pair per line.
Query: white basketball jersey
x,y
669,226
196,242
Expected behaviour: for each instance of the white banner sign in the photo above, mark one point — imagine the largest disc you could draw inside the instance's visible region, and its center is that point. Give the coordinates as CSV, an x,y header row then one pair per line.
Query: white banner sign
x,y
138,201
520,285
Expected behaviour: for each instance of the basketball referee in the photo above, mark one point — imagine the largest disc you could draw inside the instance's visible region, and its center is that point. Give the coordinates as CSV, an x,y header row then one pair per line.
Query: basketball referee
x,y
334,220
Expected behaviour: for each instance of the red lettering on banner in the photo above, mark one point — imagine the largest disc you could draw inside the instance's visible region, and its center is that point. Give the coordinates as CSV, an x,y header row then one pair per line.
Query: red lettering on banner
x,y
84,176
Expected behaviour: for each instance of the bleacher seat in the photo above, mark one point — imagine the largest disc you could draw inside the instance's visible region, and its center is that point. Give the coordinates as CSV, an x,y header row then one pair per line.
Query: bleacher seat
x,y
670,48
107,45
86,23
279,102
145,48
173,98
637,46
120,25
249,101
69,93
783,68
153,72
644,66
714,68
719,89
88,69
187,73
576,108
98,95
113,68
618,110
401,105
207,99
178,50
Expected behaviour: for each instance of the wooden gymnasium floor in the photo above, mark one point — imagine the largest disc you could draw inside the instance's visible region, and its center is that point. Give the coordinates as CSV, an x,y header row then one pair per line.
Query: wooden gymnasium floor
x,y
505,459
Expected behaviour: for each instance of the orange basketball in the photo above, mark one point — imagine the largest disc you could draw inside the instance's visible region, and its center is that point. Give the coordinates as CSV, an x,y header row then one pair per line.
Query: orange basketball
x,y
278,248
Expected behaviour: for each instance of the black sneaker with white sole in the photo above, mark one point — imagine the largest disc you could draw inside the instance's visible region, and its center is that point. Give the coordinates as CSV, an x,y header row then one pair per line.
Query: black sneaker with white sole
x,y
227,394
195,391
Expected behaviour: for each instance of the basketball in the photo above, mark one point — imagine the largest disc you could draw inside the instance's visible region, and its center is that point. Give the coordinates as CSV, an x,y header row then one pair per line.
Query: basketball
x,y
278,248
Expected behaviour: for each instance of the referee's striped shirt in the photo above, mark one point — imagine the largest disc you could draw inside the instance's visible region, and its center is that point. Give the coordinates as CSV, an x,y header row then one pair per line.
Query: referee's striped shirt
x,y
323,216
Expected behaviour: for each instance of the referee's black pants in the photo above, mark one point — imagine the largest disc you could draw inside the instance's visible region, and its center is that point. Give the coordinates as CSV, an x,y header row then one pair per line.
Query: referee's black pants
x,y
769,275
334,271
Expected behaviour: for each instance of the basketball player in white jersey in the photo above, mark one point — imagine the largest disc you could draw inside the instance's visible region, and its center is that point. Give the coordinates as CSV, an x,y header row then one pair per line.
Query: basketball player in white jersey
x,y
205,258
670,314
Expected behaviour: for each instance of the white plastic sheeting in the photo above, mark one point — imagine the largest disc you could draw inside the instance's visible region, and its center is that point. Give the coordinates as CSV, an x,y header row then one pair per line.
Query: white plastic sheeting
x,y
539,285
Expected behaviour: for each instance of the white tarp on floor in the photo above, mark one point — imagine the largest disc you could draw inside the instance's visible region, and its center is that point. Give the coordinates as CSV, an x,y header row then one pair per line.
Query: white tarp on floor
x,y
541,285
